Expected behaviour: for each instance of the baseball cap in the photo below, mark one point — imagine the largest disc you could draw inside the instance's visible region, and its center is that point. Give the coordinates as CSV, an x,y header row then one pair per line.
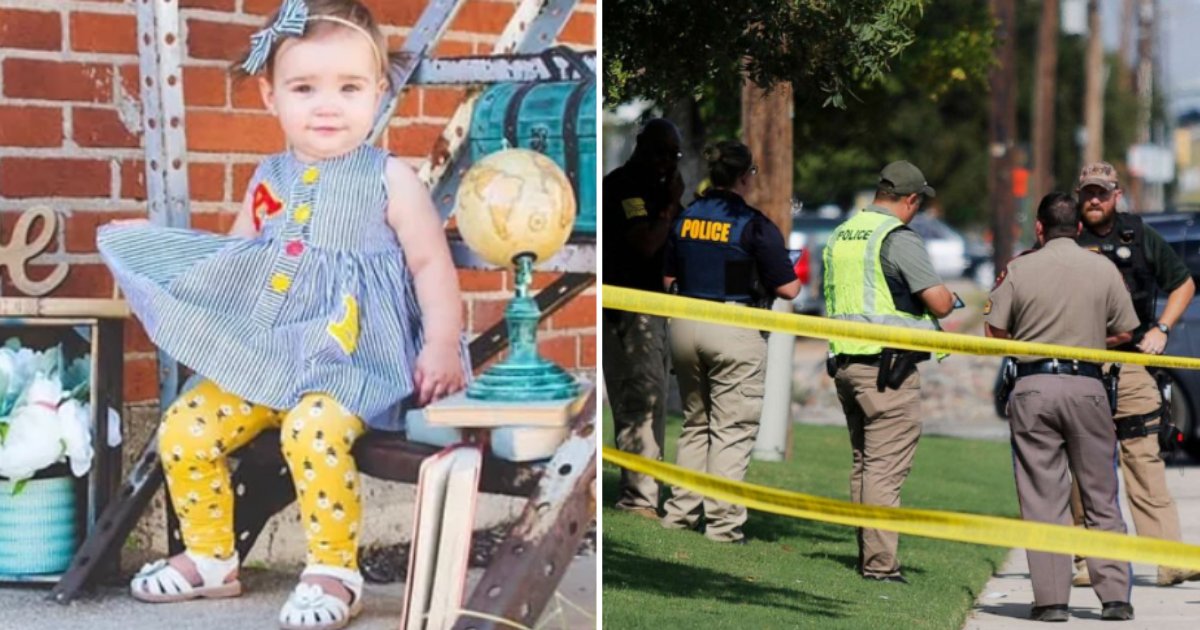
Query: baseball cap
x,y
1100,174
903,178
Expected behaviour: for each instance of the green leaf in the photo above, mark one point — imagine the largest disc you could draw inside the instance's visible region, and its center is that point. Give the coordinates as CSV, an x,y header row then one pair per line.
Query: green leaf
x,y
19,486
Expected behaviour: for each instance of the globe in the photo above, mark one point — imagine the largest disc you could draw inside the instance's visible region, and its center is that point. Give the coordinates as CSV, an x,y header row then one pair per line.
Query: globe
x,y
514,202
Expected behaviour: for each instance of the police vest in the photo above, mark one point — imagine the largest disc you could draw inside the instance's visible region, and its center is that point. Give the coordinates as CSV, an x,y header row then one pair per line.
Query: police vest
x,y
855,286
712,263
1125,246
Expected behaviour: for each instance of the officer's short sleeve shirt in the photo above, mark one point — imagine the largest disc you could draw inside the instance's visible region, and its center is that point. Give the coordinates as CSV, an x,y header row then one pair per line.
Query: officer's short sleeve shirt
x,y
1169,269
1061,294
765,242
903,257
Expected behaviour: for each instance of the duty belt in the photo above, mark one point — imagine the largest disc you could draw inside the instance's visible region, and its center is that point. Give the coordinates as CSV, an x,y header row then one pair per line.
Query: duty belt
x,y
865,359
1055,366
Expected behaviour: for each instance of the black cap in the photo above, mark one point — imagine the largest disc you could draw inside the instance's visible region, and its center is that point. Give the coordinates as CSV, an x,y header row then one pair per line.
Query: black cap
x,y
903,178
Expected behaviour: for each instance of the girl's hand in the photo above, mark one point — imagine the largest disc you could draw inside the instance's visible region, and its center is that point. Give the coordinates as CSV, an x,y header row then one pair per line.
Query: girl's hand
x,y
439,372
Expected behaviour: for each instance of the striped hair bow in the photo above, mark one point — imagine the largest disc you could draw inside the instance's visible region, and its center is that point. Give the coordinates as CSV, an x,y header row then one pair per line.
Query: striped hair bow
x,y
290,21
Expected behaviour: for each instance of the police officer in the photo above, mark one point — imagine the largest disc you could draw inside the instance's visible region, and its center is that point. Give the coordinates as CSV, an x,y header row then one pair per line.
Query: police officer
x,y
879,388
724,250
641,198
1146,263
1060,415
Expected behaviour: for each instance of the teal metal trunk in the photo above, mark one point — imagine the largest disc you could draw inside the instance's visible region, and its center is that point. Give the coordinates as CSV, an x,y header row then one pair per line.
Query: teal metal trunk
x,y
557,119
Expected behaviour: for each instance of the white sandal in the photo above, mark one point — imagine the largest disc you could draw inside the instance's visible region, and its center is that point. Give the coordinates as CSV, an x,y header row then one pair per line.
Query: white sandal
x,y
310,608
159,582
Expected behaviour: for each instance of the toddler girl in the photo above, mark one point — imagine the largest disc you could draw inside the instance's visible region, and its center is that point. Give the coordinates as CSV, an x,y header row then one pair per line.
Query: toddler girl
x,y
330,308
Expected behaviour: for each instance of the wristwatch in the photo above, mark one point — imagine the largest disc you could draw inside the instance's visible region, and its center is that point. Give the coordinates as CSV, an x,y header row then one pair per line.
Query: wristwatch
x,y
1166,330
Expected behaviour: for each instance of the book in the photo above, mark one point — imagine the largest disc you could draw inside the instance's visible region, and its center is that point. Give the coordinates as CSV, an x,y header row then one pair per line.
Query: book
x,y
459,411
511,443
443,518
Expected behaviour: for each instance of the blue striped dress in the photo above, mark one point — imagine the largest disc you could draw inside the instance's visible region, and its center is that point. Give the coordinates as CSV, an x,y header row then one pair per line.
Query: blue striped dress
x,y
320,301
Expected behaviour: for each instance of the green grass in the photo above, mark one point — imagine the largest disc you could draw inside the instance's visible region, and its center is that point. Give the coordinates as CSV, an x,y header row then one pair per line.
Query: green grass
x,y
800,574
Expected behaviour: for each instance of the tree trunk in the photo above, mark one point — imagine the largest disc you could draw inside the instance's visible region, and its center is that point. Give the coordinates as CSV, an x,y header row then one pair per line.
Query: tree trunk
x,y
1002,128
1043,102
767,130
1093,98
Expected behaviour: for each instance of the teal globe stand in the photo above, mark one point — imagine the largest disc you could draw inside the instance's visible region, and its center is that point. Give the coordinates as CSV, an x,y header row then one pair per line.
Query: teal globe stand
x,y
524,375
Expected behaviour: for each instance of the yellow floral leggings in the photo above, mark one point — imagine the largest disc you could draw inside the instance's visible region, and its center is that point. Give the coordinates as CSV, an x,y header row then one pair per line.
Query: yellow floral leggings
x,y
207,423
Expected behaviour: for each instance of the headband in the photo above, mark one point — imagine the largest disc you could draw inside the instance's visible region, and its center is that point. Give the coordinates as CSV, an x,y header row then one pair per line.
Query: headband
x,y
292,20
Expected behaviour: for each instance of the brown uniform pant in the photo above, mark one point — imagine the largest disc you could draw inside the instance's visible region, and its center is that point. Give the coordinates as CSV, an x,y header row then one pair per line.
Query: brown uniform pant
x,y
884,429
1153,509
635,376
721,372
1063,424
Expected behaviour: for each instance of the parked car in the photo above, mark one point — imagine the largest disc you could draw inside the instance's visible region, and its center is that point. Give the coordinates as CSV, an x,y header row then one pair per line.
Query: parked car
x,y
946,246
808,237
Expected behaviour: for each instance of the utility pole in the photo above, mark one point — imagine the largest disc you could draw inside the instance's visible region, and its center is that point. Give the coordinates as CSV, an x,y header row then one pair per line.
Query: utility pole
x,y
1146,18
767,130
1093,95
1043,101
1125,46
1002,127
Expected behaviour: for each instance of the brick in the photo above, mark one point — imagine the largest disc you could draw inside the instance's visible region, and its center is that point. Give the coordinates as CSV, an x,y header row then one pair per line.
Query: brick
x,y
218,222
395,13
56,177
578,313
543,279
413,140
215,5
222,132
217,40
104,32
141,380
130,77
562,350
453,48
101,127
29,126
579,29
486,313
587,350
482,17
57,80
205,86
472,280
136,339
206,181
242,174
133,180
409,105
441,103
245,94
30,30
80,227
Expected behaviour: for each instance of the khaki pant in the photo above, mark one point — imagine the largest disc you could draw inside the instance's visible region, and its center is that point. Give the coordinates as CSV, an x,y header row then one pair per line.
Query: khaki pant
x,y
1062,424
1150,503
635,376
721,372
884,429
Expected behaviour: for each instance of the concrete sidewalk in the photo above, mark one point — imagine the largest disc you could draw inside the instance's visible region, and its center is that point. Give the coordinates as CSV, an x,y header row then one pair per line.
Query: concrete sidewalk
x,y
111,607
1005,602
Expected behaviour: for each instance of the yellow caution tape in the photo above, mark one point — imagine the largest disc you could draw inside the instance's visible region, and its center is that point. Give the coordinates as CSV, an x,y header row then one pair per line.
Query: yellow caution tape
x,y
666,305
969,528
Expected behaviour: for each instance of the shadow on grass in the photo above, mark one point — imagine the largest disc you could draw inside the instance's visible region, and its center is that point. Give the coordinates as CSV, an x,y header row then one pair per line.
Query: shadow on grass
x,y
625,568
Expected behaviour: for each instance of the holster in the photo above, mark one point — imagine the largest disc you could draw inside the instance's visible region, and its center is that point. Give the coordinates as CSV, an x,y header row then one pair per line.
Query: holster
x,y
831,365
1112,382
895,366
1169,435
1008,380
1135,426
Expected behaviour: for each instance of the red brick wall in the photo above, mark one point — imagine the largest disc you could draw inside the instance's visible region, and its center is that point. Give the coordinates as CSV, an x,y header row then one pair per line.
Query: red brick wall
x,y
70,138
